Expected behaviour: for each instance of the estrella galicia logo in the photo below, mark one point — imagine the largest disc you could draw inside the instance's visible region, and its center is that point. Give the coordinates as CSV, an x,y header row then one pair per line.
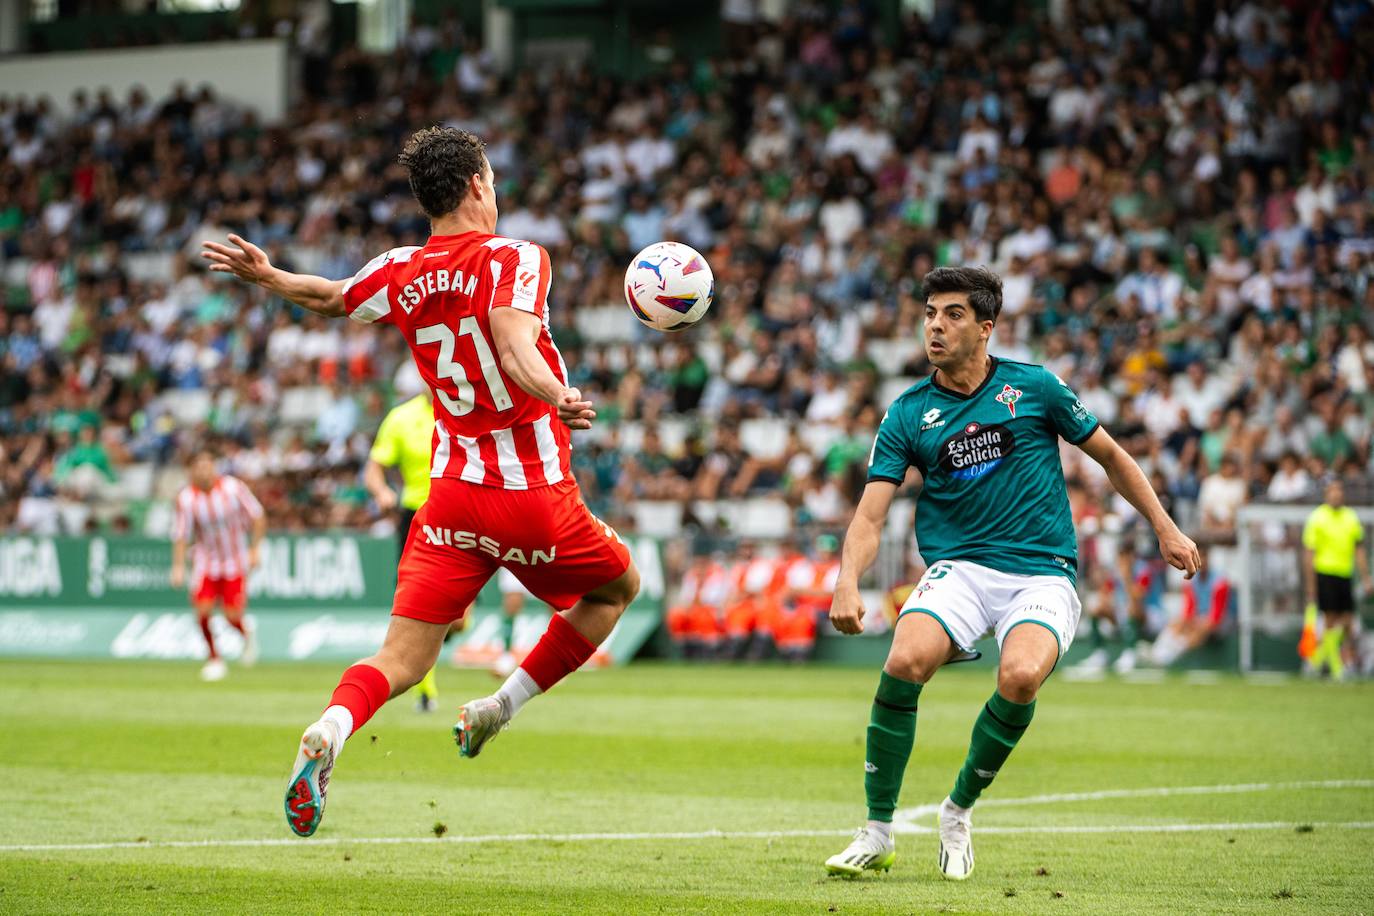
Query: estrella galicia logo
x,y
975,450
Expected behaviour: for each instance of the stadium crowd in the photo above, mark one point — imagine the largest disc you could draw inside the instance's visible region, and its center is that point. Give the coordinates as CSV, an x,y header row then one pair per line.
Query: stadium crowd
x,y
1179,197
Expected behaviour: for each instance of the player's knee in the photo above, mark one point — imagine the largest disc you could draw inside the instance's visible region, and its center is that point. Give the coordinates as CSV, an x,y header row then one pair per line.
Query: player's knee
x,y
1019,681
911,666
627,586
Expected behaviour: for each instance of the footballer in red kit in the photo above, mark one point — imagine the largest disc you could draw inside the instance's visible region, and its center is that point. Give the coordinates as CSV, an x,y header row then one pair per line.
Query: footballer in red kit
x,y
216,514
472,306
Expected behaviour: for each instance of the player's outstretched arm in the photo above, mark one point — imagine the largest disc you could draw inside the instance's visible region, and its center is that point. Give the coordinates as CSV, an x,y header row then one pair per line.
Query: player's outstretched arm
x,y
860,549
1130,481
516,333
249,263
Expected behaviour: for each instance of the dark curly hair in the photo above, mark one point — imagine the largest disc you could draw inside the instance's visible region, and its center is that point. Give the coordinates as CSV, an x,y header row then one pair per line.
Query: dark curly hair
x,y
440,161
984,288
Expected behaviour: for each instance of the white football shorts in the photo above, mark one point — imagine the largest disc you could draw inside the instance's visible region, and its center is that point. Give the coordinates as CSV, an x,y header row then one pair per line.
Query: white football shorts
x,y
971,601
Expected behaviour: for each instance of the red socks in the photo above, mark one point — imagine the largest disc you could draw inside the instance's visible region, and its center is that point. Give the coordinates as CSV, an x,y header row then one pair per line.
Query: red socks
x,y
559,652
209,640
362,690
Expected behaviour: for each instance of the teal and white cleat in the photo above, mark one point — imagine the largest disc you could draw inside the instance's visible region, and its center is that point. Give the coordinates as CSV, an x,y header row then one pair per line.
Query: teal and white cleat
x,y
478,722
956,845
868,851
310,777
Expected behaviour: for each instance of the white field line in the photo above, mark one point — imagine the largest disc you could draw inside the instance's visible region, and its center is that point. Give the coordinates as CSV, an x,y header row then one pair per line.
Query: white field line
x,y
782,834
906,816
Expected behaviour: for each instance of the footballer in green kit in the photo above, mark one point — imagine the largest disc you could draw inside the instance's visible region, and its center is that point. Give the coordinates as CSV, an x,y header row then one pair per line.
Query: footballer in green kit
x,y
994,528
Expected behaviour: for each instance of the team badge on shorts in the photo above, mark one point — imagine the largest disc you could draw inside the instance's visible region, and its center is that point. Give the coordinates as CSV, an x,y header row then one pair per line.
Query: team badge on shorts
x,y
1009,396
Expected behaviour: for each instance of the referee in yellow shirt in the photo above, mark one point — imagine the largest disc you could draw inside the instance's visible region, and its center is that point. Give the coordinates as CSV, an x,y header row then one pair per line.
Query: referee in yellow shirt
x,y
403,442
1332,536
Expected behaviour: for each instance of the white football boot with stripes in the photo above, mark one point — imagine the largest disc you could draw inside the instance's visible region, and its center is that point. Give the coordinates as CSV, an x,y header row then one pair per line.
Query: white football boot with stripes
x,y
956,845
309,783
868,851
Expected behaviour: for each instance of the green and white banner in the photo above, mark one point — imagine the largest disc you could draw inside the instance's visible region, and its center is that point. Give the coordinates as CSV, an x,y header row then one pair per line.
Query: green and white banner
x,y
319,596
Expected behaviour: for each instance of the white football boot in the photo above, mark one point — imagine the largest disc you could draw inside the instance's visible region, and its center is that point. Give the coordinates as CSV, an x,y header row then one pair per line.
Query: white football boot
x,y
214,670
1096,662
305,792
956,846
869,850
1125,662
478,722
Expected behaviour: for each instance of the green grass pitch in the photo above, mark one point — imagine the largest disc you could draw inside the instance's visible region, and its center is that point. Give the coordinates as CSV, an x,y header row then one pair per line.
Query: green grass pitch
x,y
651,757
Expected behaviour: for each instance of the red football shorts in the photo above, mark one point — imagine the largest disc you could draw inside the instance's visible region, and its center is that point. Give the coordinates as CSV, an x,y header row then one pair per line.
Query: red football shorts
x,y
465,532
228,591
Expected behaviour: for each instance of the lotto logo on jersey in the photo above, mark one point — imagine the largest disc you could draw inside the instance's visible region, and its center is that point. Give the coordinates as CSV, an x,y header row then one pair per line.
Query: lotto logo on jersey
x,y
976,450
931,419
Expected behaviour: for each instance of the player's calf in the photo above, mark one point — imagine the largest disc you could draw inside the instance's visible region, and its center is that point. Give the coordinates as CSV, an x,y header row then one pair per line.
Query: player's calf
x,y
570,640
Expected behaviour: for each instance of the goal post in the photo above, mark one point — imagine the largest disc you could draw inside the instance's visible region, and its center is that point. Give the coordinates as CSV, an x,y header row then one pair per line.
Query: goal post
x,y
1269,575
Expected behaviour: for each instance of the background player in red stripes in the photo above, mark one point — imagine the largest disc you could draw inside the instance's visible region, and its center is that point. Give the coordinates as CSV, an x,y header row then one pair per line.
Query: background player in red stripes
x,y
219,514
473,308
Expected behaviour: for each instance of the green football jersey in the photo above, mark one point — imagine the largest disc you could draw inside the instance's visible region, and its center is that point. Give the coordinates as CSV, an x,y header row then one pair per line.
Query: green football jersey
x,y
994,489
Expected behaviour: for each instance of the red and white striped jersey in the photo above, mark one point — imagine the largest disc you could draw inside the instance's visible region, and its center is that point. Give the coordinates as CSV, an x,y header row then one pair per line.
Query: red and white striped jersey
x,y
217,521
487,429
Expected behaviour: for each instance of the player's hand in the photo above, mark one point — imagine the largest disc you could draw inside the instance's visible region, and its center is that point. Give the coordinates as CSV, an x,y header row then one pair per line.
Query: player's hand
x,y
847,611
574,411
178,576
246,261
386,499
1180,552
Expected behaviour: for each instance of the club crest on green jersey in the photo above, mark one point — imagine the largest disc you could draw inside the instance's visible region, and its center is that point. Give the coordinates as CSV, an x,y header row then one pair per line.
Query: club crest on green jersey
x,y
1009,396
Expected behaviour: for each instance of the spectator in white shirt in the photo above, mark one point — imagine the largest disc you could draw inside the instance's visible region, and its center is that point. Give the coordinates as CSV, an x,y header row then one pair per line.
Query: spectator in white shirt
x,y
1290,482
1316,193
1200,393
1227,272
979,135
1220,496
1157,288
534,223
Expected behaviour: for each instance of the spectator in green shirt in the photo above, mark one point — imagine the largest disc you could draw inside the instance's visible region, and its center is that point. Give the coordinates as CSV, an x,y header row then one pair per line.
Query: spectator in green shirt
x,y
87,450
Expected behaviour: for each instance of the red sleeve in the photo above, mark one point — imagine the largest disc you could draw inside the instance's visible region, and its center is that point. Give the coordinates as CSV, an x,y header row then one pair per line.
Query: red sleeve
x,y
522,273
366,296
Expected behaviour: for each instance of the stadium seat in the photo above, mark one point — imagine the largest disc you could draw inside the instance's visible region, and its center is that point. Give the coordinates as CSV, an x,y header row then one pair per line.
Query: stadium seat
x,y
188,406
301,406
135,481
657,518
157,523
765,518
892,356
149,266
891,388
764,437
168,482
818,438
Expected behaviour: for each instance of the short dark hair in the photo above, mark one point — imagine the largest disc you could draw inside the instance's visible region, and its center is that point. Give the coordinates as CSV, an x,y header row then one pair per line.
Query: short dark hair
x,y
984,288
440,161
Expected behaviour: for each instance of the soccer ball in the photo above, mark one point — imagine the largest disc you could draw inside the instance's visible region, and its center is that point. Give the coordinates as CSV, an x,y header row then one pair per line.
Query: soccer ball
x,y
669,286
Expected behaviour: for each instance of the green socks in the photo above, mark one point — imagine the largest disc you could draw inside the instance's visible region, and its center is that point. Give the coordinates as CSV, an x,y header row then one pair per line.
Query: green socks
x,y
891,734
1098,640
999,726
1129,634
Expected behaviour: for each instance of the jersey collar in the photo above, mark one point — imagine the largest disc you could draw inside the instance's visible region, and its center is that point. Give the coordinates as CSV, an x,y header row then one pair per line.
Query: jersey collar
x,y
992,370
